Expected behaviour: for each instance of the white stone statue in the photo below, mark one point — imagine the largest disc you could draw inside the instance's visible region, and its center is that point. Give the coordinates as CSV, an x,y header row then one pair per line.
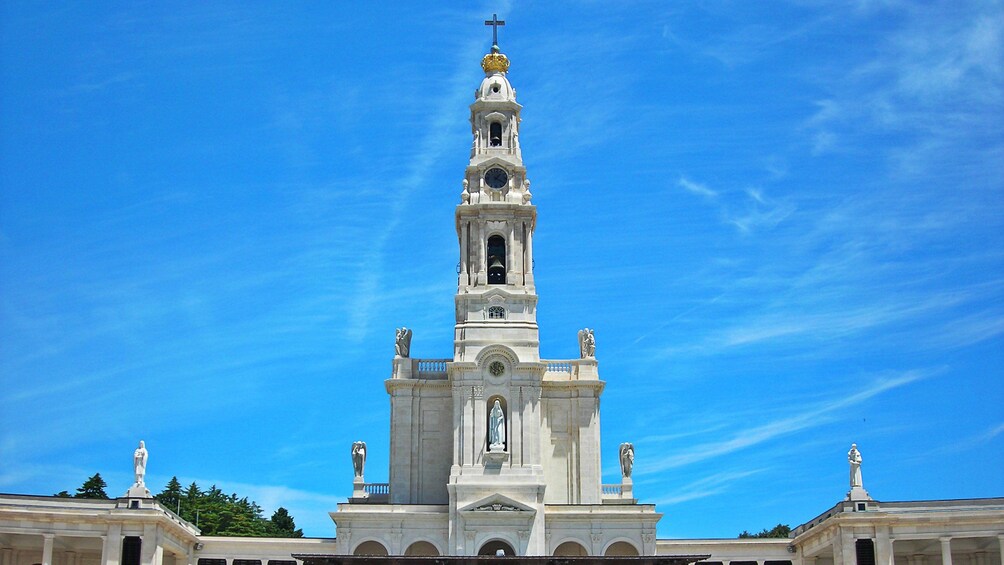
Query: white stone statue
x,y
402,342
854,458
139,458
627,459
496,428
587,344
358,458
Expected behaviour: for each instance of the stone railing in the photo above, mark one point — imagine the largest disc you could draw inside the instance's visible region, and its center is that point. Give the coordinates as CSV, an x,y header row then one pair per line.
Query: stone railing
x,y
622,493
436,369
614,490
432,369
570,369
376,488
377,493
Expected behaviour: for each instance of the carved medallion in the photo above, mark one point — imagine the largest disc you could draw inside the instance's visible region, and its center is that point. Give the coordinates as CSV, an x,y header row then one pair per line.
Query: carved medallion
x,y
497,369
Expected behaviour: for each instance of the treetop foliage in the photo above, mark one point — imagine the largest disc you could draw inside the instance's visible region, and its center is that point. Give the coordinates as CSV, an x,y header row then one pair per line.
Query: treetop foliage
x,y
220,514
212,511
93,487
778,531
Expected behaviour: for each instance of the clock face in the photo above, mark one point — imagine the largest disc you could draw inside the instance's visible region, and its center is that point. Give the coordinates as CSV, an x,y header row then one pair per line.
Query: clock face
x,y
496,178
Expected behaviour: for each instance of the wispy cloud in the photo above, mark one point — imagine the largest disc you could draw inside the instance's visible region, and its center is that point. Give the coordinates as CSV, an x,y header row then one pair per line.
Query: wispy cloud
x,y
936,79
704,487
816,415
695,187
748,209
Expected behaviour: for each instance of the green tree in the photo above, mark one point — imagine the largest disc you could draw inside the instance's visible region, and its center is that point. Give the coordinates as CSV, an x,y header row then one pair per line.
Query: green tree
x,y
281,525
171,495
62,494
778,531
93,487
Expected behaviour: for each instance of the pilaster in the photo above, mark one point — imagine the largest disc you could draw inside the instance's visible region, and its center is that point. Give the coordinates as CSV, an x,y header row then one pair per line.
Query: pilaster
x,y
47,543
946,550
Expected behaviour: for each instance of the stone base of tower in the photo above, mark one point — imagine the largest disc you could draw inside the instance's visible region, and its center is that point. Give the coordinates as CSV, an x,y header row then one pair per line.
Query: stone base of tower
x,y
471,524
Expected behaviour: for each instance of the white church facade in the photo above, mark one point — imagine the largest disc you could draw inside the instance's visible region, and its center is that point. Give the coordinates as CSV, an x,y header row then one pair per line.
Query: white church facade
x,y
494,449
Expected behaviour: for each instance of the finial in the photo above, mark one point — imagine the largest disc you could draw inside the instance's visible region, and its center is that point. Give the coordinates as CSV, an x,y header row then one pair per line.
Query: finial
x,y
495,62
495,22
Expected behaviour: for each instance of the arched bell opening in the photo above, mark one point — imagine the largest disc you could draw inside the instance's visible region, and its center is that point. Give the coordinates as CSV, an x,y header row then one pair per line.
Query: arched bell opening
x,y
496,260
495,134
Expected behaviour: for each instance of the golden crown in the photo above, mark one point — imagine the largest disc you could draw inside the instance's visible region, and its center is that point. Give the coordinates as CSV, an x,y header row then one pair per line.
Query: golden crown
x,y
495,61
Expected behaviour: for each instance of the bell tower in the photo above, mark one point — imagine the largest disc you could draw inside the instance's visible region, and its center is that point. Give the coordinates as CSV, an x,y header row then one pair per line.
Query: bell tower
x,y
496,301
496,375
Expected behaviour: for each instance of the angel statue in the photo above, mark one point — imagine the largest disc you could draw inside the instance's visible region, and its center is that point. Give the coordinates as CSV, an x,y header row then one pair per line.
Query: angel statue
x,y
402,342
587,344
627,459
358,458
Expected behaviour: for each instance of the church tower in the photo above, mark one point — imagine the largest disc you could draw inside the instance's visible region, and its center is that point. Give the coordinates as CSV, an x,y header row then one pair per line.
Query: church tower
x,y
496,300
496,373
495,449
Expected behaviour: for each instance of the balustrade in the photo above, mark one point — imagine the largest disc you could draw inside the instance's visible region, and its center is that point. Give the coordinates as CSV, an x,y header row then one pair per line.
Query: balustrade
x,y
377,488
616,489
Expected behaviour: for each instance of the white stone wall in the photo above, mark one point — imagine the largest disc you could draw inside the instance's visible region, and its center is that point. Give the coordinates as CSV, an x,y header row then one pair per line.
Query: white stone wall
x,y
421,448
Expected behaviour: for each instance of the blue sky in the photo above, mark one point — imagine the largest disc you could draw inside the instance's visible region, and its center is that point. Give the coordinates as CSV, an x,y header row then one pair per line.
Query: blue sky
x,y
783,219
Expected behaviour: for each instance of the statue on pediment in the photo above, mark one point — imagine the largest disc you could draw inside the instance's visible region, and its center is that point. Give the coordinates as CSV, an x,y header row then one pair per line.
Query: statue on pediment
x,y
854,458
627,459
139,458
402,342
358,458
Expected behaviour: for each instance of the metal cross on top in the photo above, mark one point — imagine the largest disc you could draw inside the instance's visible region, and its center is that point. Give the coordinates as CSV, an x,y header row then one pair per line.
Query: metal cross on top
x,y
495,22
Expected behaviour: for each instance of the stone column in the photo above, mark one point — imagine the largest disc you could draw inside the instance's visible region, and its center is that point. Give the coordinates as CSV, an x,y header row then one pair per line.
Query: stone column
x,y
843,548
946,551
465,233
111,550
510,252
1000,547
482,256
47,549
529,254
883,546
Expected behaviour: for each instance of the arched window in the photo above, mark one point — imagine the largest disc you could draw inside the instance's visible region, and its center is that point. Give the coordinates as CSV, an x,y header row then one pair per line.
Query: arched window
x,y
422,548
621,549
496,313
370,548
496,260
495,134
492,548
570,549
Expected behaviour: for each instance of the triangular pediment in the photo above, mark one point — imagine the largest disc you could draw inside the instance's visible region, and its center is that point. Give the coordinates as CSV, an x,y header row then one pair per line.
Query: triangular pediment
x,y
497,160
496,503
496,295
